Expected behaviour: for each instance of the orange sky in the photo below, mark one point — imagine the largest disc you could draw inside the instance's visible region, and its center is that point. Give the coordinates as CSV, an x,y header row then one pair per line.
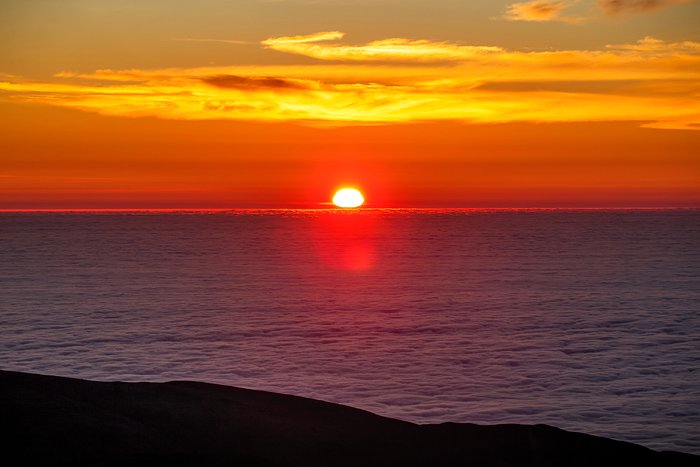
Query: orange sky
x,y
279,115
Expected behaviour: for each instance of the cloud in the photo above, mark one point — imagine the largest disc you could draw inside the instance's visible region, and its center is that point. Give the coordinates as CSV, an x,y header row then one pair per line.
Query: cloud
x,y
616,7
540,10
659,47
621,87
254,82
395,49
656,82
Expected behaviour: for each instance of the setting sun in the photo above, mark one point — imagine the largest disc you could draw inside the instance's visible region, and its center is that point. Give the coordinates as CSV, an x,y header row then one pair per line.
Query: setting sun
x,y
348,198
469,215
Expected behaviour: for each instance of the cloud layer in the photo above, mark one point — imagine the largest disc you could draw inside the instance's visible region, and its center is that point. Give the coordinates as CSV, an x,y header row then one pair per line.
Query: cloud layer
x,y
616,7
394,49
401,80
553,10
539,10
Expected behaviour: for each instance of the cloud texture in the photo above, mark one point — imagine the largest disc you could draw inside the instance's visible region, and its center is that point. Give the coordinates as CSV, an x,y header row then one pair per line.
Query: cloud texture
x,y
394,49
401,80
615,7
539,10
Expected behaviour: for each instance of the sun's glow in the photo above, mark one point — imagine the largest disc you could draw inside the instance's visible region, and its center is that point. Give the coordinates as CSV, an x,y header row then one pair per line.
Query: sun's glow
x,y
348,198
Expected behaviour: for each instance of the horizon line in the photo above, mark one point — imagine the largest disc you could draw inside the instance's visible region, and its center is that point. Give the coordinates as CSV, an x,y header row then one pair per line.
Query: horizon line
x,y
367,208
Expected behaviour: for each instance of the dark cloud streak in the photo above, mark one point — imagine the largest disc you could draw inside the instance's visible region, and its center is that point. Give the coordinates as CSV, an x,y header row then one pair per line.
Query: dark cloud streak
x,y
253,83
616,7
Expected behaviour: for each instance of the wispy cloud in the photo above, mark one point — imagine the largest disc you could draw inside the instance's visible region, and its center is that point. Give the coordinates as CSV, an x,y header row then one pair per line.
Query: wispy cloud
x,y
655,82
254,83
540,10
658,47
616,7
394,49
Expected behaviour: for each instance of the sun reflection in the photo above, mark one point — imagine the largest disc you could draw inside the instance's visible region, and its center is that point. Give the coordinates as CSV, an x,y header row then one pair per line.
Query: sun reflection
x,y
346,240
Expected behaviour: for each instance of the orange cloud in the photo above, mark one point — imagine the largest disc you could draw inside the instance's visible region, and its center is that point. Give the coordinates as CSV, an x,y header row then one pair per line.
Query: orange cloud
x,y
540,10
658,47
616,7
254,82
395,49
656,82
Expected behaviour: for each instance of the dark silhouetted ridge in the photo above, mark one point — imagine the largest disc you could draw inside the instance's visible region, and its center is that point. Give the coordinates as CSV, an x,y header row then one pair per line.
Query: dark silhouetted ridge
x,y
63,421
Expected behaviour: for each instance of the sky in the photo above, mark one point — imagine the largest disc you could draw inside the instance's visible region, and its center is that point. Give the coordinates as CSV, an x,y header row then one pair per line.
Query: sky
x,y
277,103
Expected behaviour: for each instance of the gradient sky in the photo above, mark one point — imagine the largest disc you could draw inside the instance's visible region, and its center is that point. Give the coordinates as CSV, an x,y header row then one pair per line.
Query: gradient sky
x,y
276,103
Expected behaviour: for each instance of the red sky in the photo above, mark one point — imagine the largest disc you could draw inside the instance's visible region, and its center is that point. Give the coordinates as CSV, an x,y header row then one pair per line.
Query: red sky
x,y
82,160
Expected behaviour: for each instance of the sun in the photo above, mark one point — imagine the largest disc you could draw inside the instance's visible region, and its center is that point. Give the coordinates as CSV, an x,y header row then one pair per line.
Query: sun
x,y
348,198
